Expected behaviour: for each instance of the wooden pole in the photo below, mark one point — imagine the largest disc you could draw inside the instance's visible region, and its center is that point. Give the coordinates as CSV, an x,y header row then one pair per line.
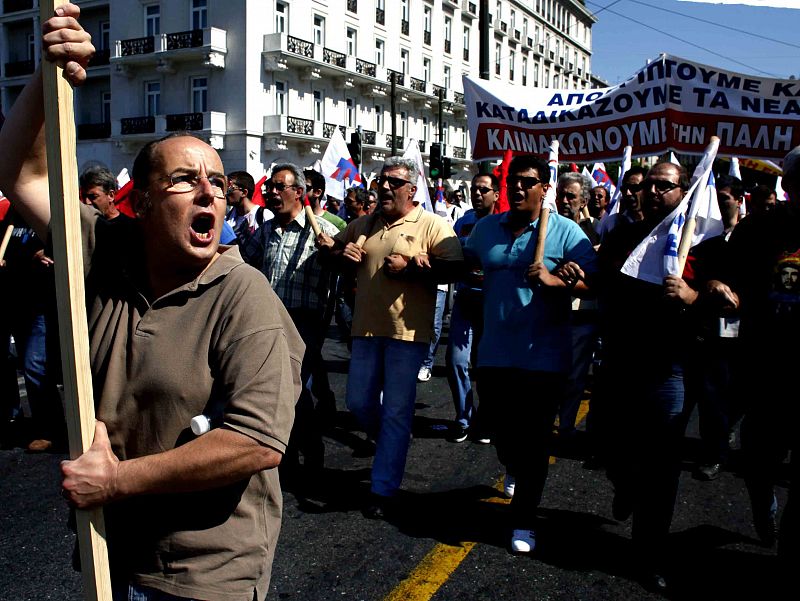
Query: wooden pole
x,y
6,240
538,254
312,219
73,330
361,239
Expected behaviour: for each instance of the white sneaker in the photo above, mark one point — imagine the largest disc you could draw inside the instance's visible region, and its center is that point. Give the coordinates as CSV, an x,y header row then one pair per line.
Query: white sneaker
x,y
424,374
523,541
509,484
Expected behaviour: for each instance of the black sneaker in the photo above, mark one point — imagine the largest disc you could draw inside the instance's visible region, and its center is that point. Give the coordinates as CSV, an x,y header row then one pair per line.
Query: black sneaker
x,y
458,434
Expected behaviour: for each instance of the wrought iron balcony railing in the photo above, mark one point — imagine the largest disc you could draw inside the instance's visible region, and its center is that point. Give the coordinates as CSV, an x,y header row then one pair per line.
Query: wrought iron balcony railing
x,y
137,125
185,39
185,122
296,125
136,46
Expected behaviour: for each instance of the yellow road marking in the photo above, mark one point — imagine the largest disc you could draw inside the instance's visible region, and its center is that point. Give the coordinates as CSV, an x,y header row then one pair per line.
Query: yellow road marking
x,y
437,566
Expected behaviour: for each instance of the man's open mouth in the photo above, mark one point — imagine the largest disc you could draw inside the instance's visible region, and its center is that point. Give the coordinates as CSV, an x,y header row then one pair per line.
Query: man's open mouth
x,y
203,227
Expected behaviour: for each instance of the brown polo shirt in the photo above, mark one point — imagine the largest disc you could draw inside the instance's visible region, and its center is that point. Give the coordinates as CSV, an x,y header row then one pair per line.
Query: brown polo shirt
x,y
223,346
396,307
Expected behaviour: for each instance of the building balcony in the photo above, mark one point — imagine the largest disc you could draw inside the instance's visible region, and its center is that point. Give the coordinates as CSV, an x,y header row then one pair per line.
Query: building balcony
x,y
14,6
101,58
451,3
19,68
209,125
501,27
458,152
426,38
352,6
447,46
207,46
469,9
380,16
94,131
399,142
404,27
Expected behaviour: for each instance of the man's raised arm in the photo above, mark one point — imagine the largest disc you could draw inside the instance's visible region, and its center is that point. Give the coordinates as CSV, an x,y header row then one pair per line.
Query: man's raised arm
x,y
23,170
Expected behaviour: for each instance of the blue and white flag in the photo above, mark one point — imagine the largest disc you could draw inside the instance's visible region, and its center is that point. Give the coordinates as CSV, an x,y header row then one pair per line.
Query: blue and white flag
x,y
340,172
602,178
657,255
422,195
736,172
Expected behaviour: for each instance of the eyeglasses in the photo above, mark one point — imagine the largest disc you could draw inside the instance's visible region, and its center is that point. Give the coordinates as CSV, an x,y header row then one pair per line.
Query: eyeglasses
x,y
278,186
662,186
512,181
633,188
91,197
232,188
394,182
481,189
186,182
569,195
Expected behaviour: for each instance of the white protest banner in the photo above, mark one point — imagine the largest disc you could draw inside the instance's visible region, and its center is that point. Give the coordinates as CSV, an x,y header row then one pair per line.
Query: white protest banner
x,y
670,104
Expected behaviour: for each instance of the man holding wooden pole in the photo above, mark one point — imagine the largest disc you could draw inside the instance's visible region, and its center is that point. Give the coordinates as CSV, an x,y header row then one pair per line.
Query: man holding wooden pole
x,y
178,327
526,344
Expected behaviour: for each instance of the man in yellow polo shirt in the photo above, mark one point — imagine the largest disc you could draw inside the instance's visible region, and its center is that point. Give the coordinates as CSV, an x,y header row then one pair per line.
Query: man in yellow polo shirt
x,y
406,252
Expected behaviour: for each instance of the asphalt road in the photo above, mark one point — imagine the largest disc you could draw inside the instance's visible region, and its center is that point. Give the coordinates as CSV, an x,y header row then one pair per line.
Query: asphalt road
x,y
449,539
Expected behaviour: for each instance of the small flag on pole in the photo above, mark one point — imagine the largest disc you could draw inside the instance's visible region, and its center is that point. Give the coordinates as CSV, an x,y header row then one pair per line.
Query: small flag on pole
x,y
422,196
340,172
552,162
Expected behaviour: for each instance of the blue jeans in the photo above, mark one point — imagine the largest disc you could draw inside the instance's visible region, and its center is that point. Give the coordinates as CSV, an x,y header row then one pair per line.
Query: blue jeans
x,y
384,365
584,338
136,592
438,314
466,320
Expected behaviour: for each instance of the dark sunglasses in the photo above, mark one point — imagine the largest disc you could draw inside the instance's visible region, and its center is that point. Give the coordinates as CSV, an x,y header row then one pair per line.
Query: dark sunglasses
x,y
279,186
394,182
91,197
481,189
569,195
633,188
512,181
662,186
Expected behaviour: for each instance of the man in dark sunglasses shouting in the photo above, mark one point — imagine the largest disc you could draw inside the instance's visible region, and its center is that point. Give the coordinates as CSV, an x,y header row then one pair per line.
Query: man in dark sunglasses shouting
x,y
400,252
525,351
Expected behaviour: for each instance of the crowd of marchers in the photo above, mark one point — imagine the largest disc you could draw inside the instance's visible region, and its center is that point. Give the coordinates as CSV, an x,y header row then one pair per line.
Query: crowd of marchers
x,y
207,304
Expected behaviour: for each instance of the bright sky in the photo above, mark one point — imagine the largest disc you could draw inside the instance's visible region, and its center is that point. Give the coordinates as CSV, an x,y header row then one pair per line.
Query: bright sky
x,y
629,32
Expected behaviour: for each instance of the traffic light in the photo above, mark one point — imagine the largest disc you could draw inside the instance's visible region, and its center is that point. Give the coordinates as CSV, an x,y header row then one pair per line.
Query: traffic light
x,y
436,166
446,171
355,148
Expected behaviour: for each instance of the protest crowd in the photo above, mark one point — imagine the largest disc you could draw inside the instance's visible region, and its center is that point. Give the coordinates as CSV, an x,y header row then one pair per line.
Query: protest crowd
x,y
548,284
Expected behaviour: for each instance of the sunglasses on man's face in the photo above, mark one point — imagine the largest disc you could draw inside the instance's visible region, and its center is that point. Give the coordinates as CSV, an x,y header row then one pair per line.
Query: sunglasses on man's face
x,y
278,186
481,189
633,188
662,186
512,181
569,195
394,182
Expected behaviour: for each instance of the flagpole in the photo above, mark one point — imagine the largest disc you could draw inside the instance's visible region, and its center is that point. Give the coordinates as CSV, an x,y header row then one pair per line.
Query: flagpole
x,y
73,330
549,198
6,240
687,233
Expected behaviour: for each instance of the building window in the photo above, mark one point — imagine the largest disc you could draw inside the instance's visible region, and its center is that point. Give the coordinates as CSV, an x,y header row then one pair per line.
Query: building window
x,y
319,30
499,11
281,100
447,77
378,118
427,22
31,47
152,20
497,54
403,124
426,69
512,59
281,17
319,106
524,29
352,41
199,94
537,34
105,35
445,132
536,74
350,108
466,43
379,52
106,107
425,129
448,33
199,14
546,82
524,71
152,98
404,61
404,10
513,20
